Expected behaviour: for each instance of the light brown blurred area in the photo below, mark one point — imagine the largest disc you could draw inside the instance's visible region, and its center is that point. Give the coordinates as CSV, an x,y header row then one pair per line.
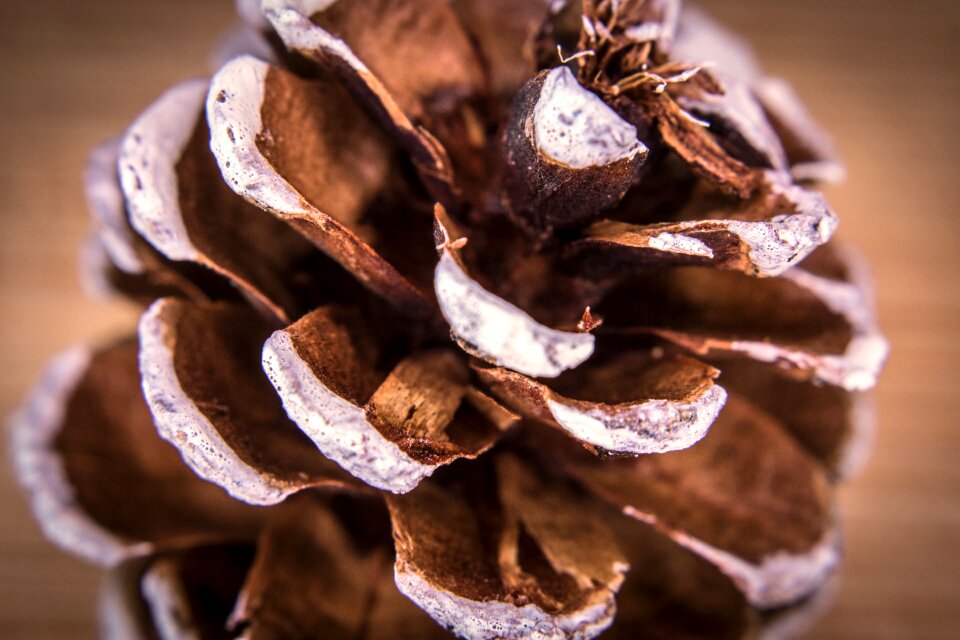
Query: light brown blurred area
x,y
883,76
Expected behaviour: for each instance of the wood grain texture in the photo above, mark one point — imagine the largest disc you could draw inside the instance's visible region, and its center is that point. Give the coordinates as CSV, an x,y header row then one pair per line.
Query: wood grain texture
x,y
882,76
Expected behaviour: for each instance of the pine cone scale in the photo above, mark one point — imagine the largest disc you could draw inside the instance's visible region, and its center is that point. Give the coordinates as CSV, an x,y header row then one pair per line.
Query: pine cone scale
x,y
234,105
98,443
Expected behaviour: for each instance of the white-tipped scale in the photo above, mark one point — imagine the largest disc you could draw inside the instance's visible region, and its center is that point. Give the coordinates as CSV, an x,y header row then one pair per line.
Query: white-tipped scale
x,y
858,368
339,428
107,209
497,331
654,426
180,422
147,162
779,579
233,107
487,620
291,21
738,108
34,429
767,247
574,127
776,245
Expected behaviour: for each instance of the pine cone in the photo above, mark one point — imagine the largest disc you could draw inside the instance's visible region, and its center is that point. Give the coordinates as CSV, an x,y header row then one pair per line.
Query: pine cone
x,y
525,300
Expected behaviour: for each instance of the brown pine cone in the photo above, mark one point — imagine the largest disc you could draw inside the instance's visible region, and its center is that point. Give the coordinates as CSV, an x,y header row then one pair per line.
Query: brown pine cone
x,y
527,301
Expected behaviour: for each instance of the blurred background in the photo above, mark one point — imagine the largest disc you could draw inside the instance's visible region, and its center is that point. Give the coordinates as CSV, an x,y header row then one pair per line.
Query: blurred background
x,y
883,76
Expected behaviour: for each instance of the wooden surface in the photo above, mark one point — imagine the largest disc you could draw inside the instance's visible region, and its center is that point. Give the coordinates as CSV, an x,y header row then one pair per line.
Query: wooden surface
x,y
883,76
